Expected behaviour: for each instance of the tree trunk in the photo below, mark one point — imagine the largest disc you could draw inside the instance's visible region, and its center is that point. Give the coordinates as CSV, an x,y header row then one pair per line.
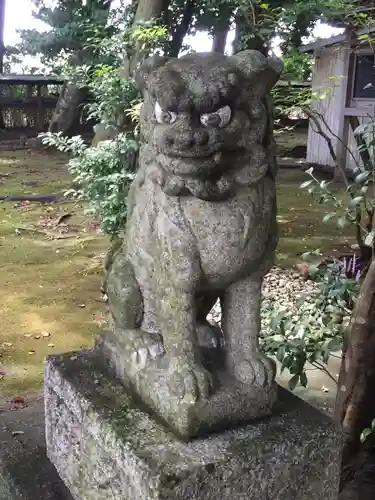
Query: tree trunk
x,y
220,37
355,402
181,29
254,42
68,109
146,10
66,116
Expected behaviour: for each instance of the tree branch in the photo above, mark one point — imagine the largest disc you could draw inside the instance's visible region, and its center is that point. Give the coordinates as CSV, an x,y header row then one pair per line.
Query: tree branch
x,y
320,366
220,35
319,130
181,29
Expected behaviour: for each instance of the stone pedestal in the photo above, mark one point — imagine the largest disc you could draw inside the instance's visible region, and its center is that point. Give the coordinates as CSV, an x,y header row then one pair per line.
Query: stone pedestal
x,y
105,447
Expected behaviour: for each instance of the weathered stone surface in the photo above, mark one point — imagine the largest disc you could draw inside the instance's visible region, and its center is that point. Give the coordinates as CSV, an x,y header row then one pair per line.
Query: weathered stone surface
x,y
201,227
106,448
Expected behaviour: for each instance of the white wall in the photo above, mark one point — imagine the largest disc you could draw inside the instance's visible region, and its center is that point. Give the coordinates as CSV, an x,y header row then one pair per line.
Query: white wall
x,y
329,81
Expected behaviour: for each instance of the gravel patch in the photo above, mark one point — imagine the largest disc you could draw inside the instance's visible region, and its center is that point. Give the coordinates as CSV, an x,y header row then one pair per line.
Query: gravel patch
x,y
284,286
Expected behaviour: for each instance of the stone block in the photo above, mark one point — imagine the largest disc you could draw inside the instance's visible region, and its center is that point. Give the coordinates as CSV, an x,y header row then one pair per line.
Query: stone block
x,y
106,447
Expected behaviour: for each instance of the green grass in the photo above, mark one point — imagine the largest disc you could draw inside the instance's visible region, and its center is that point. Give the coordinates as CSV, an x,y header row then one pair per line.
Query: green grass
x,y
32,172
53,285
46,284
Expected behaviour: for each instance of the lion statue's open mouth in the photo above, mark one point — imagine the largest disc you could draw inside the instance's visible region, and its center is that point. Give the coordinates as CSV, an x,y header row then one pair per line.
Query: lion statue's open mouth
x,y
208,177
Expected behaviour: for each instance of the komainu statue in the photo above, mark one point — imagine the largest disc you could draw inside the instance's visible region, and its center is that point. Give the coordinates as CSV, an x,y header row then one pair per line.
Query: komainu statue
x,y
201,227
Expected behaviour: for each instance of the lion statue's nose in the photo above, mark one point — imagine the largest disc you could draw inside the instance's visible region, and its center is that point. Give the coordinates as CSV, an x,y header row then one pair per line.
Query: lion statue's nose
x,y
186,139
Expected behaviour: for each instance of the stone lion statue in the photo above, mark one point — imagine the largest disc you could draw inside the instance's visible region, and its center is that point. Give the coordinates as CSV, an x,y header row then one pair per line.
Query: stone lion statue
x,y
201,227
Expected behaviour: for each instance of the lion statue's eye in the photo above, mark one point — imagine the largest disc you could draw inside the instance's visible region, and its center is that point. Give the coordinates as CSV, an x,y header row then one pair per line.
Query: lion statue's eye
x,y
219,118
164,116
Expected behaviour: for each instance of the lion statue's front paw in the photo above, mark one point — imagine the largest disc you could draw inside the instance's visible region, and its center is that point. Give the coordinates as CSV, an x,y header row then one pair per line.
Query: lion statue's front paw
x,y
188,380
256,370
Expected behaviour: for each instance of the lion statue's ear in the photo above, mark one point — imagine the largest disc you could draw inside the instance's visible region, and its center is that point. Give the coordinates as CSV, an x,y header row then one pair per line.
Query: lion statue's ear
x,y
261,72
146,68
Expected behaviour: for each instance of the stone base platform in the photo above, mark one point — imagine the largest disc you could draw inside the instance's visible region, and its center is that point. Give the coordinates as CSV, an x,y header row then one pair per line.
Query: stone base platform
x,y
105,447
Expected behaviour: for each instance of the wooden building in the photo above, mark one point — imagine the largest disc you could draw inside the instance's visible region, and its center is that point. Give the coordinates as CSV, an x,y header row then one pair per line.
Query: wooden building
x,y
344,87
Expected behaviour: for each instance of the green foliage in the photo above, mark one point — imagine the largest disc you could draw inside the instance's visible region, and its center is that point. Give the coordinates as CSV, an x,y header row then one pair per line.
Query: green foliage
x,y
315,330
323,318
71,22
290,99
368,431
74,22
350,207
297,66
102,174
113,94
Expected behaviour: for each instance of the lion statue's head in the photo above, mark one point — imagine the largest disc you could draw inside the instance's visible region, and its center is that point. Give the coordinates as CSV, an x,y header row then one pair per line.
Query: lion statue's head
x,y
205,121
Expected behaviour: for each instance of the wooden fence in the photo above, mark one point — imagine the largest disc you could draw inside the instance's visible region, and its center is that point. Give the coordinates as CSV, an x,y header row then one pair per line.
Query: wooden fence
x,y
28,101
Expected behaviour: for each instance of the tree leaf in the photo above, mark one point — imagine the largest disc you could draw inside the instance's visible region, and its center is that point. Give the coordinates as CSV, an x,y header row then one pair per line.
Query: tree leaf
x,y
280,353
355,201
303,379
365,434
369,240
327,217
361,177
293,382
306,184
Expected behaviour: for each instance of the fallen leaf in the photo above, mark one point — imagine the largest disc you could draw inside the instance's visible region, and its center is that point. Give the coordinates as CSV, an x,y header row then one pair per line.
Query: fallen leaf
x,y
99,317
82,305
30,353
45,334
17,403
51,345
